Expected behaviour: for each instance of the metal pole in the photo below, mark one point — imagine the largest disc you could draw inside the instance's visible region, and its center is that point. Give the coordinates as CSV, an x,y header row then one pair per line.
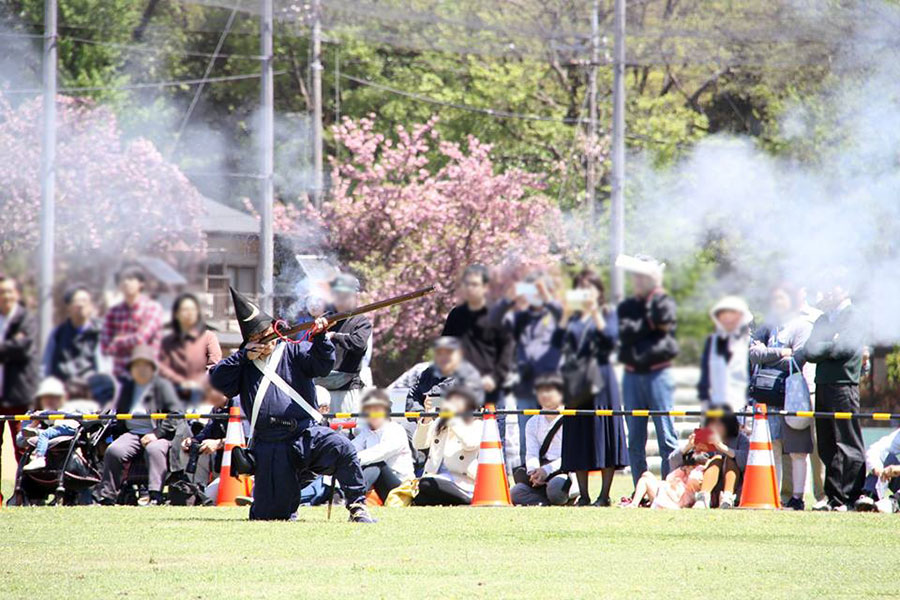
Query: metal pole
x,y
617,222
266,147
591,179
318,185
48,175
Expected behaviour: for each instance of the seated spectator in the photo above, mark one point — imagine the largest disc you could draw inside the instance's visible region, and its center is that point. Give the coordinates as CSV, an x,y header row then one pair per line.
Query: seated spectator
x,y
724,458
725,365
72,353
452,444
382,446
50,398
448,370
883,475
678,490
541,482
210,440
135,321
145,392
188,350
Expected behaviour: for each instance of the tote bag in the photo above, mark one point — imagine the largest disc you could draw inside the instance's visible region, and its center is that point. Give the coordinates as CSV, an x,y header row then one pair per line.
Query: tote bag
x,y
796,398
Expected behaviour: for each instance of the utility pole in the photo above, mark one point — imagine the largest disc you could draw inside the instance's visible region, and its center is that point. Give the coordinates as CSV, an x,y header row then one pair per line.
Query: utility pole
x,y
617,212
267,153
318,181
590,196
48,176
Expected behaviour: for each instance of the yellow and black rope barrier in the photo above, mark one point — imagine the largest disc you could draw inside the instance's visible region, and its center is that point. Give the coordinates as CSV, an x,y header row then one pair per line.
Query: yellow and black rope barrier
x,y
566,412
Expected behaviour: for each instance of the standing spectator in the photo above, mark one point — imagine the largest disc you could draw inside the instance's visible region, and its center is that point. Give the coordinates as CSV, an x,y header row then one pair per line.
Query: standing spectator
x,y
594,443
836,347
648,346
452,444
543,480
724,365
382,447
776,344
145,392
136,321
810,313
73,353
538,343
448,370
189,350
351,338
486,343
18,356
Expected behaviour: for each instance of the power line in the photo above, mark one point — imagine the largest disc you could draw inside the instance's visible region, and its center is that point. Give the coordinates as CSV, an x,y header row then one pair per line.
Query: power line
x,y
155,49
145,85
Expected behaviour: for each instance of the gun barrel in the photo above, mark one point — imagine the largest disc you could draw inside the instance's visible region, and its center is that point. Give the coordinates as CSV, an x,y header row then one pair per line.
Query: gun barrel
x,y
366,308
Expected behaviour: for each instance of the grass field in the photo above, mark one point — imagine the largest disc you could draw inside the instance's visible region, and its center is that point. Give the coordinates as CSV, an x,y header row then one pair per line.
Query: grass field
x,y
99,552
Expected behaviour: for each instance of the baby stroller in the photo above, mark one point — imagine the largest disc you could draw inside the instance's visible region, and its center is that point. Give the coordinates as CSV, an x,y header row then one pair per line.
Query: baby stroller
x,y
73,467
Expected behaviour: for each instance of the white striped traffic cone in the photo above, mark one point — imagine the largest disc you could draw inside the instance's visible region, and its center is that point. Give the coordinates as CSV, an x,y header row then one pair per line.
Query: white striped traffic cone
x,y
491,485
760,489
232,487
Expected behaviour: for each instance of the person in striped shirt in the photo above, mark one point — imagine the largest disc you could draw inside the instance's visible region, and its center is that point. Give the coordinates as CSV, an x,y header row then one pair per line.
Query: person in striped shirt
x,y
136,321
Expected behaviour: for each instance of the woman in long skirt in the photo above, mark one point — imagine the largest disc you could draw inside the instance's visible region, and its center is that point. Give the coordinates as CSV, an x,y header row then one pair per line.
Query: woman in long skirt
x,y
593,443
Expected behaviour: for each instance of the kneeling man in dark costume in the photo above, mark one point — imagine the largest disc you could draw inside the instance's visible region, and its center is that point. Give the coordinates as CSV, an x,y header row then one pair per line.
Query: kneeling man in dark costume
x,y
289,445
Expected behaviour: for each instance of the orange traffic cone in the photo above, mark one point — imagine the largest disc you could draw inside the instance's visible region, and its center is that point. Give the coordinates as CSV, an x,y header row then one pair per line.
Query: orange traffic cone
x,y
760,488
491,485
232,487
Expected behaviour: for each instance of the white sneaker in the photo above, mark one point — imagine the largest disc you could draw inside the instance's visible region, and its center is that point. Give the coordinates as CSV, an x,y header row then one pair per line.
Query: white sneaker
x,y
822,505
38,462
701,500
727,500
884,505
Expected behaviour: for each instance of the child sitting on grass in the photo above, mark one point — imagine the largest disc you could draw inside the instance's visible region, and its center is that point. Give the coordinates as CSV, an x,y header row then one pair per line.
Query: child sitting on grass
x,y
50,398
676,491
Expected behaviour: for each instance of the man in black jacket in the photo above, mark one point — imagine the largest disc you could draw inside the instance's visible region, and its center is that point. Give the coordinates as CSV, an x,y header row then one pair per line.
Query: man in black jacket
x,y
18,356
486,343
351,339
648,346
73,353
448,370
836,347
145,392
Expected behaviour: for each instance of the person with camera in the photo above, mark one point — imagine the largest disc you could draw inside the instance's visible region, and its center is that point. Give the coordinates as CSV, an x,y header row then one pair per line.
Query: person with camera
x,y
289,445
198,447
722,448
382,446
452,443
448,369
145,392
542,481
591,443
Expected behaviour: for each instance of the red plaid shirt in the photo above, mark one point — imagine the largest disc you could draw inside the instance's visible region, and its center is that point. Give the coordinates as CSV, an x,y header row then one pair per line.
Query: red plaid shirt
x,y
128,326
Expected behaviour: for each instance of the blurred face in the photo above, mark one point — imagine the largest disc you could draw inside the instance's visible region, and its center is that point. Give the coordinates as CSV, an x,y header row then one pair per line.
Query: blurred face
x,y
780,303
344,301
9,296
473,289
455,403
549,397
142,372
718,426
258,336
833,298
642,284
50,402
315,306
729,320
188,314
376,423
447,359
81,308
130,287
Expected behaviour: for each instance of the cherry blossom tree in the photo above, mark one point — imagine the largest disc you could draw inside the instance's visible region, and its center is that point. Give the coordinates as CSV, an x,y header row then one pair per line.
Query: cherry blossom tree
x,y
114,198
414,210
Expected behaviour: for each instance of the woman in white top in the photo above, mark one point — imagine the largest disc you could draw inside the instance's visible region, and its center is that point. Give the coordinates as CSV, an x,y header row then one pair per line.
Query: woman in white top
x,y
452,444
382,446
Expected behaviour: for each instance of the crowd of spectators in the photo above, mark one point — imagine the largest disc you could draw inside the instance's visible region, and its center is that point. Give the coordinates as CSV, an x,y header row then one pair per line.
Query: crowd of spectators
x,y
542,345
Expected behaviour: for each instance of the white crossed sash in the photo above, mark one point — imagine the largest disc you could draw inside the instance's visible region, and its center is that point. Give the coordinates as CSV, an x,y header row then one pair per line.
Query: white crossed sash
x,y
267,368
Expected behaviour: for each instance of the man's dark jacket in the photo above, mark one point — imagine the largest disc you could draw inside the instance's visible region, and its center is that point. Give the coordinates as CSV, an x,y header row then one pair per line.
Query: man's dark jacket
x,y
18,355
160,397
647,332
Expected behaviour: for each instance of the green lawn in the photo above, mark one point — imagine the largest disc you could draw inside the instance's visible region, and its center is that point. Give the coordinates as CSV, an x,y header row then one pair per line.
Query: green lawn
x,y
98,552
